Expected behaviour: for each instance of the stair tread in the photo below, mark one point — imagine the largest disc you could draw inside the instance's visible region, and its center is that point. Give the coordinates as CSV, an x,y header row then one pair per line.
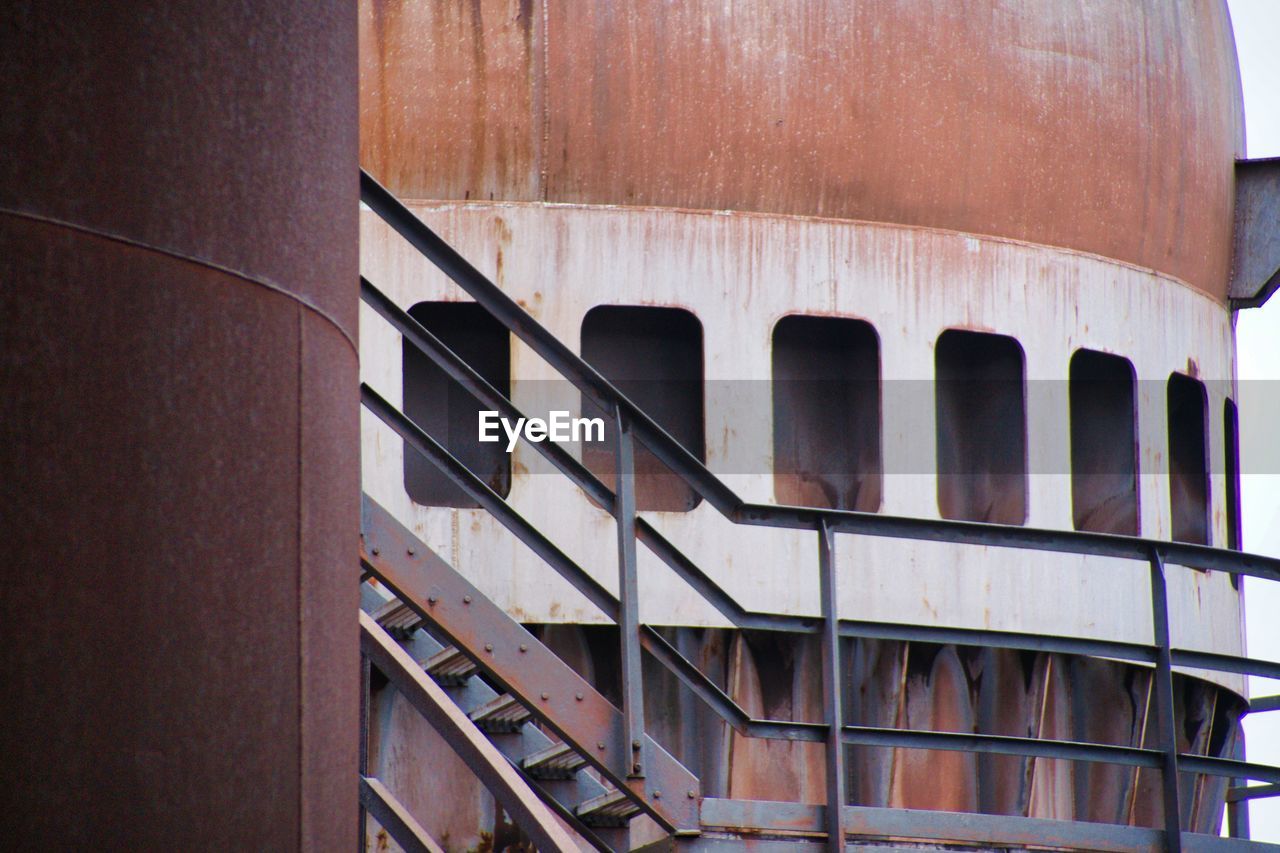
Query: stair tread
x,y
396,615
549,753
502,714
556,761
612,808
449,666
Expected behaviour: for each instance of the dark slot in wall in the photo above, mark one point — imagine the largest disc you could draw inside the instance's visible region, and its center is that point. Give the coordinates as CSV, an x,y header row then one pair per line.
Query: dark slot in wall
x,y
1188,460
446,410
654,357
826,413
1231,452
1104,444
981,427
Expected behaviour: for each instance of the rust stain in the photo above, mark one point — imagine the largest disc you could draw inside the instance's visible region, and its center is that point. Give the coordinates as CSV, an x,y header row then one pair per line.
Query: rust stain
x,y
481,101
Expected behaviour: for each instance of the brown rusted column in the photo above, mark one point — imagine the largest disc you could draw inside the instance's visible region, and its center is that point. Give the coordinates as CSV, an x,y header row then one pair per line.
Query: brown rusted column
x,y
178,425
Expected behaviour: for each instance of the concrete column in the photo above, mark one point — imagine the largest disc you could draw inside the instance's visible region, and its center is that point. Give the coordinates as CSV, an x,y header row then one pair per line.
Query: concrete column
x,y
178,425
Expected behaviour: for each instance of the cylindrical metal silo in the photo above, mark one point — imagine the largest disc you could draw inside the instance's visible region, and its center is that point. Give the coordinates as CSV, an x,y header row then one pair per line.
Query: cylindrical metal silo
x,y
1003,230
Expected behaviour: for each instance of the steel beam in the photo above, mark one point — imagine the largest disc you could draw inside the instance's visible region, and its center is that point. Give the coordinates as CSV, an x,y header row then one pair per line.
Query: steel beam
x,y
631,671
832,691
1166,724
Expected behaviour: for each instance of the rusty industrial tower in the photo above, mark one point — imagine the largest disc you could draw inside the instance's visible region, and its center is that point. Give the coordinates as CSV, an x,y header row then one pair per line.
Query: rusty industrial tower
x,y
912,522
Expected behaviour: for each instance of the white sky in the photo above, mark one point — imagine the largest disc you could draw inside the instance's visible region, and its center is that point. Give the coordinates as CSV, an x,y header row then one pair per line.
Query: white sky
x,y
1257,28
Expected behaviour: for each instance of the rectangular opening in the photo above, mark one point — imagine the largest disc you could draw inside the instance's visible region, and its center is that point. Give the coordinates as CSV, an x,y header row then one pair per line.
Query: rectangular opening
x,y
826,413
1231,452
654,357
446,410
1188,460
981,427
1104,448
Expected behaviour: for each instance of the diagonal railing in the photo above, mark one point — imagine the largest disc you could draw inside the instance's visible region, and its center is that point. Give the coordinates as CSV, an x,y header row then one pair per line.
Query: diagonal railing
x,y
635,425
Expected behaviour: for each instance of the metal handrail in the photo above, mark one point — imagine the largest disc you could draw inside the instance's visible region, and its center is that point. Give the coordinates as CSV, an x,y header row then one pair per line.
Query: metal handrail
x,y
741,721
633,422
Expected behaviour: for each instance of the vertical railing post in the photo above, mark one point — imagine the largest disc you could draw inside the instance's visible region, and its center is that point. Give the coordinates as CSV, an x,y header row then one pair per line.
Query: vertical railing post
x,y
1165,724
624,513
831,685
1238,809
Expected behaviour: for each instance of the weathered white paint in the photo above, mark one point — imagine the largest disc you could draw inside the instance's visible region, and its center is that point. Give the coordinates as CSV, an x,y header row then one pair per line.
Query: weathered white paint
x,y
739,273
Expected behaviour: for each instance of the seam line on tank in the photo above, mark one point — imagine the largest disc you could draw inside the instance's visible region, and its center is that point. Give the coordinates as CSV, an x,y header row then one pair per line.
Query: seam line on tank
x,y
193,259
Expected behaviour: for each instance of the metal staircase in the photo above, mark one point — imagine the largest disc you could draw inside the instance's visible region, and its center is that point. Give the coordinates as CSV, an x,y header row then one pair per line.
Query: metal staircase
x,y
555,729
557,754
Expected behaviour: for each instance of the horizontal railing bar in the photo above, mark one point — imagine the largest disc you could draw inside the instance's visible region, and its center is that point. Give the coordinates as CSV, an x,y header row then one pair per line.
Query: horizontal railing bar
x,y
1228,767
1258,704
1001,745
1008,536
696,475
1252,792
491,501
1225,663
878,736
763,820
996,639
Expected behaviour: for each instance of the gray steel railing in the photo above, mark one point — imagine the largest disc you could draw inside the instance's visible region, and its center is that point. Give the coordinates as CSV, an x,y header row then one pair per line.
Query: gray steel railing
x,y
635,425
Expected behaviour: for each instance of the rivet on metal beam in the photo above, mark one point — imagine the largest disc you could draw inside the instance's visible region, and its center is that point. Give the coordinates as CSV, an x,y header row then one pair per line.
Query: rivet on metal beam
x,y
578,696
375,552
523,647
691,795
657,795
431,599
466,599
635,744
411,552
488,647
600,745
546,696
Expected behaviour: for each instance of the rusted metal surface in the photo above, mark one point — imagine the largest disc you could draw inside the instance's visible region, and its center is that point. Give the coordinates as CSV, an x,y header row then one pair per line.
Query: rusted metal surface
x,y
1110,128
1255,269
178,424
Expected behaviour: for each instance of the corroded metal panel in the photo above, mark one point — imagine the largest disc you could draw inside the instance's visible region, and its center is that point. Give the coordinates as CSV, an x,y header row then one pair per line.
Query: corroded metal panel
x,y
1255,271
178,424
1110,128
1052,301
